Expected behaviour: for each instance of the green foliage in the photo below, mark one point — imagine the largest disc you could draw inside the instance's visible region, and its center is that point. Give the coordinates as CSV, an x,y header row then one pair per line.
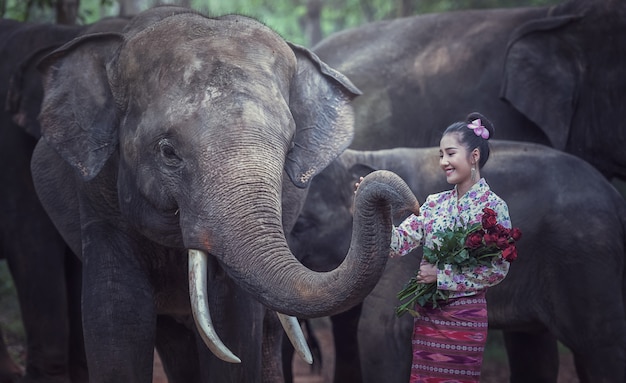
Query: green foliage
x,y
281,15
10,318
284,16
425,6
12,9
6,283
44,10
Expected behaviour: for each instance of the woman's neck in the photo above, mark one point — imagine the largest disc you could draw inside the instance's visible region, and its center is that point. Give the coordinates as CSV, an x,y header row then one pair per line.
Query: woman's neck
x,y
463,188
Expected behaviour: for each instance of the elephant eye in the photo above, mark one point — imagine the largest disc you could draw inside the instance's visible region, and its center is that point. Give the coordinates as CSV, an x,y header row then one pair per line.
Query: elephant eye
x,y
168,153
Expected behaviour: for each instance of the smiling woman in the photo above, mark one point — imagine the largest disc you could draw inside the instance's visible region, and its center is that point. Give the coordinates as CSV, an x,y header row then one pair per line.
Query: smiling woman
x,y
449,334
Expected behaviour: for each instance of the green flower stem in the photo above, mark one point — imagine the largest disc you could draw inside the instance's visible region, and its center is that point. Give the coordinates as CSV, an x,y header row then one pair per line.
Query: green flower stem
x,y
422,294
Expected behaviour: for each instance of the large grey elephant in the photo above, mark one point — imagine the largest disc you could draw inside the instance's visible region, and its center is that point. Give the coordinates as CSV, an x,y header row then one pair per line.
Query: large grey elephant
x,y
551,75
45,272
567,284
175,156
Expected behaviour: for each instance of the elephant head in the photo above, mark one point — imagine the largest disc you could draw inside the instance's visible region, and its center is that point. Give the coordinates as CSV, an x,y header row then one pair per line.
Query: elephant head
x,y
574,57
203,134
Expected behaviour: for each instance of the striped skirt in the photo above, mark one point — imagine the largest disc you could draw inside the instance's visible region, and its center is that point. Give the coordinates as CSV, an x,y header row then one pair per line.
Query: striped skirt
x,y
448,341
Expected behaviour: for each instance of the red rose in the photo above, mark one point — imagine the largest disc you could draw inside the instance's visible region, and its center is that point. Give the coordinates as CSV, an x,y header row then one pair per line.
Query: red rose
x,y
502,242
500,230
489,212
490,239
516,234
474,240
489,220
510,253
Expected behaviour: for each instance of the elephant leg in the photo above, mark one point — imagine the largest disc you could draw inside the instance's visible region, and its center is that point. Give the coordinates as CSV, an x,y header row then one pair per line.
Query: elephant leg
x,y
314,346
119,316
273,363
176,345
602,364
347,362
38,270
593,329
287,353
77,358
533,357
384,339
10,372
239,320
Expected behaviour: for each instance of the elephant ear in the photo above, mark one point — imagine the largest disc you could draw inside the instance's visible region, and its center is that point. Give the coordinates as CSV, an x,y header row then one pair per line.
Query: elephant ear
x,y
541,61
319,100
24,95
78,115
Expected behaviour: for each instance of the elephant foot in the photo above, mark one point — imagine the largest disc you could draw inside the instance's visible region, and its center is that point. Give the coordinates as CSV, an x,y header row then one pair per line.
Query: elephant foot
x,y
533,357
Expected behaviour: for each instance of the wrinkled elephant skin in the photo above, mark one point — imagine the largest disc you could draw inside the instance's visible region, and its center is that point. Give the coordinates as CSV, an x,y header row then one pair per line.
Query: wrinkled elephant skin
x,y
551,75
199,152
567,283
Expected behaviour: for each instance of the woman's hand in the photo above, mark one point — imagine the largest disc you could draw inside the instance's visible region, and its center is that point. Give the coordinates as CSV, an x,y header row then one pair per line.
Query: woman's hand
x,y
356,185
427,273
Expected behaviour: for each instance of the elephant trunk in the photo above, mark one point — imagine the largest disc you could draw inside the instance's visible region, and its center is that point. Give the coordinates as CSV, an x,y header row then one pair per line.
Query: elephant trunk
x,y
254,252
260,261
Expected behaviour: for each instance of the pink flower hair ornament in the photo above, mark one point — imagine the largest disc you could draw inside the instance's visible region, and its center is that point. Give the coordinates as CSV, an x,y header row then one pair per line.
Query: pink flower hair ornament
x,y
479,129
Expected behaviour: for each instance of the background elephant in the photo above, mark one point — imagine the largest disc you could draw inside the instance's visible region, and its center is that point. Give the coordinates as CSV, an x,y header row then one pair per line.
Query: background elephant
x,y
174,158
567,283
45,272
551,75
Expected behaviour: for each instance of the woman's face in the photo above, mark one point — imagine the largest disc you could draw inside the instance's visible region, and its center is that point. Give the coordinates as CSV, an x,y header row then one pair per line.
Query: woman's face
x,y
455,161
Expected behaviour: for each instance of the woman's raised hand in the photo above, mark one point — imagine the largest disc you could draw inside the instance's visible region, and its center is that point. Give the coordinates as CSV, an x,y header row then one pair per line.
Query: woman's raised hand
x,y
356,185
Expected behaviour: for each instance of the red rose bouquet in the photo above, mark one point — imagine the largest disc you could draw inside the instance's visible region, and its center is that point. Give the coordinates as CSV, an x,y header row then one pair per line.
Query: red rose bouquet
x,y
463,246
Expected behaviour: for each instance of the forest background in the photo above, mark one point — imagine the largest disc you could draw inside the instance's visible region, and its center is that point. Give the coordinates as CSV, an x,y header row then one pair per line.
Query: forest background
x,y
304,22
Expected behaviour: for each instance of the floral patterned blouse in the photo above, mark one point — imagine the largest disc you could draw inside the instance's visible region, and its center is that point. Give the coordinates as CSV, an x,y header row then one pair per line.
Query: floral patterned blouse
x,y
442,211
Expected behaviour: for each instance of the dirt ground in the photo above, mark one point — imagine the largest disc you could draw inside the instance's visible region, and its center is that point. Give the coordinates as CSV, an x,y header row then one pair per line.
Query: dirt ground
x,y
493,371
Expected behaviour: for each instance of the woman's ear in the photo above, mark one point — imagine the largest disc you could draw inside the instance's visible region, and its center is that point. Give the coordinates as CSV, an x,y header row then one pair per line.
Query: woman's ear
x,y
475,156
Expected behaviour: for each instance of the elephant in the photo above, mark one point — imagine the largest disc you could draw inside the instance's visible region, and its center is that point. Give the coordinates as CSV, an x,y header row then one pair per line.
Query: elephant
x,y
175,157
45,272
551,75
566,285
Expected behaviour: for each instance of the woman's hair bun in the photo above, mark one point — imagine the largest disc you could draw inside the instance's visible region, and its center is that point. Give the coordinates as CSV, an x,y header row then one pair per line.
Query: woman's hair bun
x,y
484,122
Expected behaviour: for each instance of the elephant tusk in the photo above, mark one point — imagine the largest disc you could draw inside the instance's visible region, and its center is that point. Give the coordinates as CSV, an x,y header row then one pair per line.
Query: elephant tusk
x,y
200,307
295,335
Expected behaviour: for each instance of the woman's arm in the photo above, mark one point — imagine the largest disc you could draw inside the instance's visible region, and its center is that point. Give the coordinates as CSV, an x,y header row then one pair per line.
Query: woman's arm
x,y
407,236
472,279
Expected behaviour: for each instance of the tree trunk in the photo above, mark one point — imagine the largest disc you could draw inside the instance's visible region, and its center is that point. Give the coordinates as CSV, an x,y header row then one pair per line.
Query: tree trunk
x,y
132,7
312,26
368,10
406,8
67,11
